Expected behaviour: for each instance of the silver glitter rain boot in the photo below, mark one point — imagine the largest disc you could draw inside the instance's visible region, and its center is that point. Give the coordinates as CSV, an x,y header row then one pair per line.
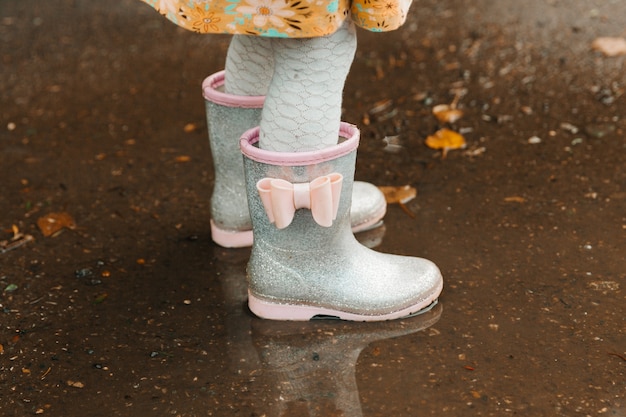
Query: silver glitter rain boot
x,y
305,262
228,117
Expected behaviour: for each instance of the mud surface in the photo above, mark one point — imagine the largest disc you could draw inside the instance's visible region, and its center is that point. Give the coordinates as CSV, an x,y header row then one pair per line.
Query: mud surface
x,y
131,310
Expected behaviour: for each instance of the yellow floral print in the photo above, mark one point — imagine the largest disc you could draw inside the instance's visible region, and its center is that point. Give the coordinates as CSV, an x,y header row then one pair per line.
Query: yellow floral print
x,y
202,20
282,18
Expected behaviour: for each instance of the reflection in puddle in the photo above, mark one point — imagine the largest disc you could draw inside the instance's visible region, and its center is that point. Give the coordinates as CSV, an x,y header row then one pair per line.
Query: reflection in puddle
x,y
301,368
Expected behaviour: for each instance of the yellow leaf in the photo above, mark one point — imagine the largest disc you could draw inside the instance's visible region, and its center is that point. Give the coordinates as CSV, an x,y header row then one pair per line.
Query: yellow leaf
x,y
402,194
446,140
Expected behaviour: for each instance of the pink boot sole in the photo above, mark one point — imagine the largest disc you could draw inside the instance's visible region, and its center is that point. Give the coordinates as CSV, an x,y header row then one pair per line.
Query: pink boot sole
x,y
229,238
290,312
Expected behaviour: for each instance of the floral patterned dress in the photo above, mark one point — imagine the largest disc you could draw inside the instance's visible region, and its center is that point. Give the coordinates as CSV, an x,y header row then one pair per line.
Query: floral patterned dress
x,y
282,18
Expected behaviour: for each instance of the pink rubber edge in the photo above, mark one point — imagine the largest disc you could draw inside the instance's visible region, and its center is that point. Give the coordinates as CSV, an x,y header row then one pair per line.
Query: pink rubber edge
x,y
230,238
290,312
346,130
211,93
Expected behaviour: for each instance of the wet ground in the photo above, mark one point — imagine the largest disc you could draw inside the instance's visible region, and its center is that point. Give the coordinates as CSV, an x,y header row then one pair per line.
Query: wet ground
x,y
131,310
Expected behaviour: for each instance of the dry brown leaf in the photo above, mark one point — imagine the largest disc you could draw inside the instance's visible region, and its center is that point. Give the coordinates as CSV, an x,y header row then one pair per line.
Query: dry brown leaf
x,y
447,113
53,223
446,140
401,195
610,46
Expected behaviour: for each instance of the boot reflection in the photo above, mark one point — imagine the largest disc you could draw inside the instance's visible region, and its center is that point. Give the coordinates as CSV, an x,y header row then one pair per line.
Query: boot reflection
x,y
303,369
231,272
312,364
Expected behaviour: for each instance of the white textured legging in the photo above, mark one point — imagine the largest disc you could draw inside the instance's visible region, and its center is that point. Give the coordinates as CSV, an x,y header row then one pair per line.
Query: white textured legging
x,y
303,80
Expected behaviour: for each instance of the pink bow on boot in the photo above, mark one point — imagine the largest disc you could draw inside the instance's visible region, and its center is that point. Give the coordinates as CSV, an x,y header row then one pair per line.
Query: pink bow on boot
x,y
281,199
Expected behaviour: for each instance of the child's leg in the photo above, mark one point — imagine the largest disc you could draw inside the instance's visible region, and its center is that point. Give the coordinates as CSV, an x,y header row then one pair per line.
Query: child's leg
x,y
249,69
302,110
249,66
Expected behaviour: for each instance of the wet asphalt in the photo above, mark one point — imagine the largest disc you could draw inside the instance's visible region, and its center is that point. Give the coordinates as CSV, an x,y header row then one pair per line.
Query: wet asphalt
x,y
131,310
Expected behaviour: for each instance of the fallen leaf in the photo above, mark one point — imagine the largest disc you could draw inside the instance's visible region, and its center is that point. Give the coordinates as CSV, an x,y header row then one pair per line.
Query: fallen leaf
x,y
53,223
10,288
401,195
610,46
447,113
75,384
190,127
446,140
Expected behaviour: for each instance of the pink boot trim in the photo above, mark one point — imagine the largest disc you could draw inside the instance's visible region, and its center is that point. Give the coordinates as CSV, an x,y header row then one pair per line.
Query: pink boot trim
x,y
210,92
346,130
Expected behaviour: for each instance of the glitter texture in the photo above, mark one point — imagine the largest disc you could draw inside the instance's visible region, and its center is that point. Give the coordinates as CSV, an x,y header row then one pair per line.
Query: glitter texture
x,y
228,117
226,124
306,267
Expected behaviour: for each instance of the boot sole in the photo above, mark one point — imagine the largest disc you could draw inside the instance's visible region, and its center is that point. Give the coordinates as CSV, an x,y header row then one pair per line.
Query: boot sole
x,y
292,312
231,238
